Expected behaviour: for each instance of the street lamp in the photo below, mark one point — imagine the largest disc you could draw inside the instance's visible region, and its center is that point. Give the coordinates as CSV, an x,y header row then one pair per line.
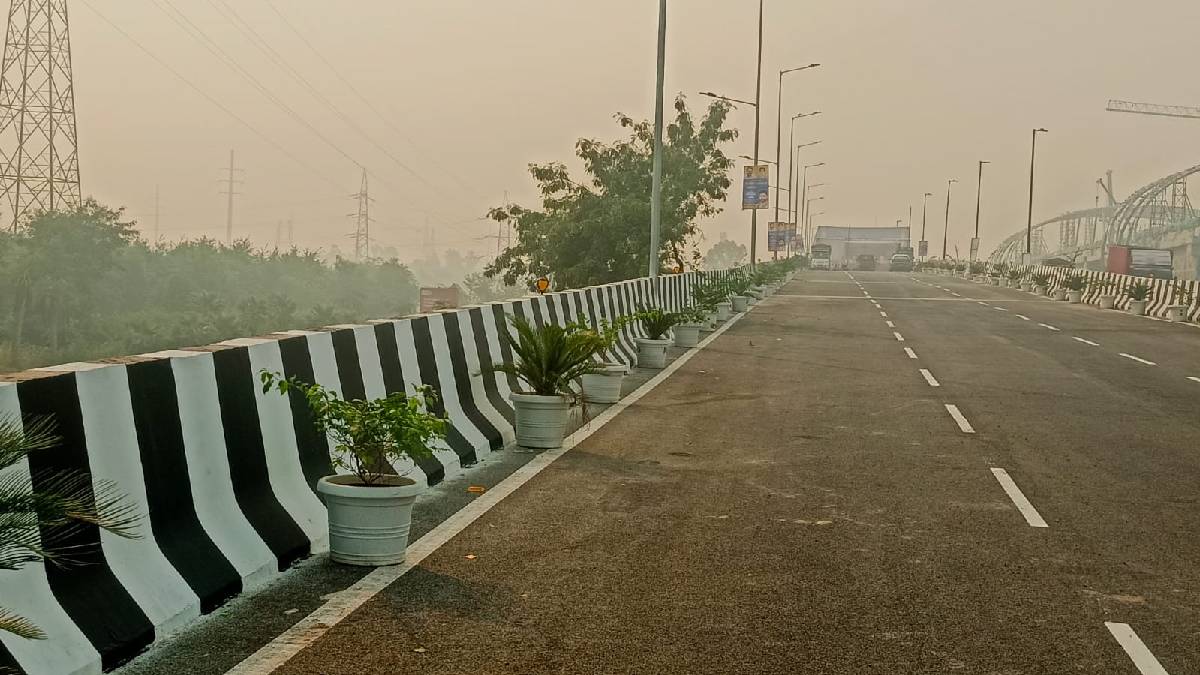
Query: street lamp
x,y
779,130
764,161
804,192
795,213
946,236
1029,222
657,179
923,244
978,191
792,157
728,98
808,215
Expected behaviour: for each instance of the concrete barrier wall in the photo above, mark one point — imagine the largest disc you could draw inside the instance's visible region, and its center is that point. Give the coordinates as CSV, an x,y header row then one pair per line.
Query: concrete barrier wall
x,y
224,475
1160,298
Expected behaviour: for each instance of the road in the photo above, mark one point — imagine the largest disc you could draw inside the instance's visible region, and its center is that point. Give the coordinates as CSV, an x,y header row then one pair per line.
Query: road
x,y
870,473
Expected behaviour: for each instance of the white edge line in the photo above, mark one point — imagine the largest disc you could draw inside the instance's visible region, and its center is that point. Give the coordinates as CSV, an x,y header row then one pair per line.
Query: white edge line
x,y
960,419
1139,360
913,355
1018,498
930,378
899,337
341,604
1137,650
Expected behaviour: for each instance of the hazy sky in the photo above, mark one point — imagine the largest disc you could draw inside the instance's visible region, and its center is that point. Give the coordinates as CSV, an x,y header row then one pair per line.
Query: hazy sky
x,y
912,92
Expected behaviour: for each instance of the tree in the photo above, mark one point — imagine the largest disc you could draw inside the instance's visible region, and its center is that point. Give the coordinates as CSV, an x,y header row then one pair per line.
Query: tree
x,y
725,254
479,289
598,231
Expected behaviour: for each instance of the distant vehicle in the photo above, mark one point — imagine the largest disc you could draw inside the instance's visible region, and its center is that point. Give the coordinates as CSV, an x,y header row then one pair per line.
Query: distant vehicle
x,y
1153,263
901,262
820,258
865,263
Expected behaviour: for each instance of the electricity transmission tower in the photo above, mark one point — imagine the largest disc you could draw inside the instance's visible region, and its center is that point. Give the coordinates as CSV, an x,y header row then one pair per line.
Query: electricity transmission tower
x,y
39,160
231,182
362,231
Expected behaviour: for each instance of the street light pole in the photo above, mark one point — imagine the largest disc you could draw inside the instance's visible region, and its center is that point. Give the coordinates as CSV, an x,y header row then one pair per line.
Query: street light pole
x,y
1029,221
978,191
924,212
946,236
792,151
779,132
656,186
757,136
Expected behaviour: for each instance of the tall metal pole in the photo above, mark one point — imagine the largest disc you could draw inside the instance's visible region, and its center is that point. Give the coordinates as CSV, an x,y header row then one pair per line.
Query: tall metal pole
x,y
1029,220
156,215
757,136
778,144
656,187
791,162
946,236
924,213
229,210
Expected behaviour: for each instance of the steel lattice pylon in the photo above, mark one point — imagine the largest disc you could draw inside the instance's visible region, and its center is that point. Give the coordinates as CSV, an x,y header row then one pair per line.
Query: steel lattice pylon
x,y
39,159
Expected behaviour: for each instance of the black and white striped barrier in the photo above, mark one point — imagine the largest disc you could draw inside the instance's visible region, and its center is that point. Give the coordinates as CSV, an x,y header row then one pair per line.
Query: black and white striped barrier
x,y
1161,296
224,475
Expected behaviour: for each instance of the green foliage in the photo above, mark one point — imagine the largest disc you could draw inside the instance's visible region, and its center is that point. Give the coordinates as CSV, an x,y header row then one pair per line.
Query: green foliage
x,y
1139,290
725,254
595,231
1075,282
1014,274
1181,294
368,435
550,358
80,285
36,524
977,267
1041,279
480,289
656,322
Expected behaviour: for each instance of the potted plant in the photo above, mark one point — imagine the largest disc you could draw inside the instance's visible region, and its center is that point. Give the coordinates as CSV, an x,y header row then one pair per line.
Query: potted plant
x,y
548,360
370,508
1075,285
977,268
1181,302
1014,278
652,349
1139,294
1041,282
604,386
687,330
737,298
1108,295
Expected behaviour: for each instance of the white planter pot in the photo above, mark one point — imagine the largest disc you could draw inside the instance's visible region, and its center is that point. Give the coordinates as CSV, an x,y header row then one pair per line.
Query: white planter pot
x,y
1138,307
724,311
652,353
687,335
1026,286
541,420
368,526
1060,294
757,292
740,303
995,281
1074,297
605,387
1177,312
1039,290
1108,301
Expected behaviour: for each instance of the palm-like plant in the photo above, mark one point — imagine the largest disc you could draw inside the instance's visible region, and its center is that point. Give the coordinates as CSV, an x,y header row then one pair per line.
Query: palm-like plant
x,y
657,322
1138,291
37,523
550,358
1075,282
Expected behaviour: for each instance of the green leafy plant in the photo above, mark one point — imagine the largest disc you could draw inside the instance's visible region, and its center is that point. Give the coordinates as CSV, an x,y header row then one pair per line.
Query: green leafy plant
x,y
368,434
657,322
548,359
1181,294
694,315
36,523
1108,288
1139,290
1075,282
1040,279
1014,274
977,267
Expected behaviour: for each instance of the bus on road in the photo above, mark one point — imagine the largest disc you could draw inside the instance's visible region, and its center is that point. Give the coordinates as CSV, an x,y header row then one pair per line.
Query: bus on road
x,y
821,253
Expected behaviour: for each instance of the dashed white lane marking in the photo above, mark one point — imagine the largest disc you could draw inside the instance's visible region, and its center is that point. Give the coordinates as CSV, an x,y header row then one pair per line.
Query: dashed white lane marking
x,y
1194,379
890,324
980,302
960,418
930,378
1002,309
1021,317
1137,650
899,337
1131,357
913,355
1086,341
884,314
1014,493
1048,326
341,604
954,294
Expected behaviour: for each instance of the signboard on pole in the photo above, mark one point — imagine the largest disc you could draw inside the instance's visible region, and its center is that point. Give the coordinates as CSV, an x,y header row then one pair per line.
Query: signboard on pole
x,y
778,235
975,248
756,187
923,249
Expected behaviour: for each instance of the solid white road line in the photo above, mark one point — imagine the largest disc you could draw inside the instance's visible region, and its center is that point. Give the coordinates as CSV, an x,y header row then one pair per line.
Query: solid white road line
x,y
913,355
1046,325
899,337
958,417
1086,342
1014,493
1137,650
341,604
929,378
1139,360
890,324
1194,379
1021,317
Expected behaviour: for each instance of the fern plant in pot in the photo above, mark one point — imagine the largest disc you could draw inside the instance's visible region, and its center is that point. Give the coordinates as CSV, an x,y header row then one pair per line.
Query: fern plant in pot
x,y
1139,295
1181,302
548,360
1108,295
370,505
652,349
1041,283
605,386
737,293
1075,285
687,330
714,298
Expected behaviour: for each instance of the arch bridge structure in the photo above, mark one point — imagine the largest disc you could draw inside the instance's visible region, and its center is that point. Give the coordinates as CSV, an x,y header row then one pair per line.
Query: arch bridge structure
x,y
1159,214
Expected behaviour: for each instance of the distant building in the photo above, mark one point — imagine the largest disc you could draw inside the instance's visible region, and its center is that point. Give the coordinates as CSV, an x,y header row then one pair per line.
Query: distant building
x,y
850,242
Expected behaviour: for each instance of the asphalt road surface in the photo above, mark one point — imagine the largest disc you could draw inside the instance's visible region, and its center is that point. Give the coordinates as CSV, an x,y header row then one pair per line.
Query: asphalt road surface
x,y
871,472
